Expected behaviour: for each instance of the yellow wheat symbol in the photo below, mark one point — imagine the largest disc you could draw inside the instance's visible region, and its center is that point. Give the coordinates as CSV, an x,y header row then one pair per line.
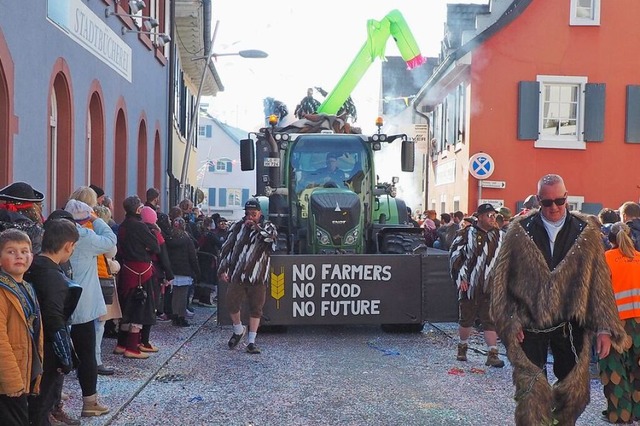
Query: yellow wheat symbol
x,y
277,286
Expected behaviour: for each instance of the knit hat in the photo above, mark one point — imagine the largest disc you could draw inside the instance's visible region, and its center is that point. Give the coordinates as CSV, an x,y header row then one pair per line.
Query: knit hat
x,y
99,191
79,210
148,215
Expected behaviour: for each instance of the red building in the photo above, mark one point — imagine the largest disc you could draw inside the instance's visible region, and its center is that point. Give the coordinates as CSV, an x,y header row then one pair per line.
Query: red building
x,y
545,86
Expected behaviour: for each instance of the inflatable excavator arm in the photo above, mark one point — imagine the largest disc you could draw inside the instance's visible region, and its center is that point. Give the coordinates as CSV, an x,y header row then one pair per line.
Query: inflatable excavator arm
x,y
378,33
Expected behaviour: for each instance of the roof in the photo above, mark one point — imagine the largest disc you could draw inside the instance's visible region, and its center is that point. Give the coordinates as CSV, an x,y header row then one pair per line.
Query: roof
x,y
192,39
455,61
234,133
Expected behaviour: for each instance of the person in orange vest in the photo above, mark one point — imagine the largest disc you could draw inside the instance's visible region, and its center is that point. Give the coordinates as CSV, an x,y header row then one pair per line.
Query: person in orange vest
x,y
619,371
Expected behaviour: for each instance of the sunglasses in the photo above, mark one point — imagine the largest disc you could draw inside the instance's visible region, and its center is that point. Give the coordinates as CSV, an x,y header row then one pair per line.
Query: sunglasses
x,y
557,202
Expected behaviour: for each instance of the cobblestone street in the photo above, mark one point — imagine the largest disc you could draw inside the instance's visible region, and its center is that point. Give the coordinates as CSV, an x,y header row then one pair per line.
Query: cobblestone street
x,y
307,376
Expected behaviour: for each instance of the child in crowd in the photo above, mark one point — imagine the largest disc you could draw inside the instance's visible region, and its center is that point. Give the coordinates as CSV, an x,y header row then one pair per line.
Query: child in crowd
x,y
21,340
57,297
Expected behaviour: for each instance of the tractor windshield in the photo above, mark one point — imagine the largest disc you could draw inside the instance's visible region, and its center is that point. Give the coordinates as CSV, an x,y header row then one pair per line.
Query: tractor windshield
x,y
323,161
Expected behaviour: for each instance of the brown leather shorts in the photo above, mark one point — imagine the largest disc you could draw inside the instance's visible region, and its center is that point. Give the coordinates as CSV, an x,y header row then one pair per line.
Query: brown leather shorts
x,y
255,294
478,307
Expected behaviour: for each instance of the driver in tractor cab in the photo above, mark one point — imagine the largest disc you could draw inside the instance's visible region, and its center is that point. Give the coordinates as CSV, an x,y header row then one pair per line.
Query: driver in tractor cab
x,y
331,173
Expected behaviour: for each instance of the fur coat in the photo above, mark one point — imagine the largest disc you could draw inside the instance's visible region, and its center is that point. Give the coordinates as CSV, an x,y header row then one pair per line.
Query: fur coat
x,y
526,293
246,254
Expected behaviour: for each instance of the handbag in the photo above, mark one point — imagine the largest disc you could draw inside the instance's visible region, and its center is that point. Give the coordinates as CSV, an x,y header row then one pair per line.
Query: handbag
x,y
107,285
140,295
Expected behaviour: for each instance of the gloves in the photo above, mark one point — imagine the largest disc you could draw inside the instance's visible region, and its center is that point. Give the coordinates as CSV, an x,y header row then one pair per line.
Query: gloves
x,y
63,350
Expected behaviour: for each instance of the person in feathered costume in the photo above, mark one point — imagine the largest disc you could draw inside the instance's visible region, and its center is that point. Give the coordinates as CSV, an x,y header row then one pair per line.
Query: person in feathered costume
x,y
552,288
245,260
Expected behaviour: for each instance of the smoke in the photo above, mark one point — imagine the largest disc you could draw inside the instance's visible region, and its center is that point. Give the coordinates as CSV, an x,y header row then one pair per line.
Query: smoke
x,y
388,163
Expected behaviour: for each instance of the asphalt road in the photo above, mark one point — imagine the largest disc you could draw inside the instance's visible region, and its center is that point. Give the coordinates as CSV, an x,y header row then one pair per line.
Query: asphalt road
x,y
355,375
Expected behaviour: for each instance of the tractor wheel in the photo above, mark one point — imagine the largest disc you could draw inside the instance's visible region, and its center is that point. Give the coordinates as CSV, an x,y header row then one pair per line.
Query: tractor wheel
x,y
402,243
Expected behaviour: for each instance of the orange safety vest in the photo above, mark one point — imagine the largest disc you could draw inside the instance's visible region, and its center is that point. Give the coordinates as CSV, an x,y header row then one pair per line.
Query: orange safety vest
x,y
625,277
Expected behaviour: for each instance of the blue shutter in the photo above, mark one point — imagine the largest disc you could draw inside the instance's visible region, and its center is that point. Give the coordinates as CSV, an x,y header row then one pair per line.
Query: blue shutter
x,y
229,166
632,124
591,208
208,130
594,96
245,195
223,197
528,110
212,196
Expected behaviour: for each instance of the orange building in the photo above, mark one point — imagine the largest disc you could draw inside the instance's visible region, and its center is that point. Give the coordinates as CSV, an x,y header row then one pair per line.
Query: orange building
x,y
544,86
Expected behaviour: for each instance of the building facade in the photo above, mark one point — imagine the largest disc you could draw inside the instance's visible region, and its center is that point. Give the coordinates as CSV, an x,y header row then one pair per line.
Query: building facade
x,y
545,86
225,187
83,97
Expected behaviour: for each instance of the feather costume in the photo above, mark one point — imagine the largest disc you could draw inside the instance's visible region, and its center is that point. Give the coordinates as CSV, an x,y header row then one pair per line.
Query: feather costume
x,y
246,252
527,294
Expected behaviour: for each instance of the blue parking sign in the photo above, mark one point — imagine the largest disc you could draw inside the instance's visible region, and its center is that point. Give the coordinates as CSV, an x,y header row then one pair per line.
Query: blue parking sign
x,y
481,165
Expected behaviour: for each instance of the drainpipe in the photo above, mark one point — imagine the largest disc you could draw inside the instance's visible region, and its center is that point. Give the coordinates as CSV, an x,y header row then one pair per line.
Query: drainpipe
x,y
171,103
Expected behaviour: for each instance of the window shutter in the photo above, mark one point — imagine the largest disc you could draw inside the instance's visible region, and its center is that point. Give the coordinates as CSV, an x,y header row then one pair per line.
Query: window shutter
x,y
528,110
229,166
245,195
208,130
632,124
223,197
594,96
591,208
212,196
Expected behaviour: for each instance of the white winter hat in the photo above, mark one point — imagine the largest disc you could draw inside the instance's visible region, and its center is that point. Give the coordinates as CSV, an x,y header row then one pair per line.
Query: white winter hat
x,y
79,210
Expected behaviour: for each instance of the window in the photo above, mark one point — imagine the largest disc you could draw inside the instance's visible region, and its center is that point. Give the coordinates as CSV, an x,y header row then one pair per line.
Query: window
x,y
234,197
222,165
585,13
561,112
574,203
202,131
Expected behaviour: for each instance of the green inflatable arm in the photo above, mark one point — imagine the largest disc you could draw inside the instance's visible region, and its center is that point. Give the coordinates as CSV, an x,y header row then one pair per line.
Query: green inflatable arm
x,y
392,25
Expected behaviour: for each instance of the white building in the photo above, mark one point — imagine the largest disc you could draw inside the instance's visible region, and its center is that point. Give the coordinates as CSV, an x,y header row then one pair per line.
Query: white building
x,y
225,187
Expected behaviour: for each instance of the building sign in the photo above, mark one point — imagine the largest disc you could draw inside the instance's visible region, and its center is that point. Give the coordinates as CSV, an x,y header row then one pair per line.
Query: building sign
x,y
90,31
339,289
446,172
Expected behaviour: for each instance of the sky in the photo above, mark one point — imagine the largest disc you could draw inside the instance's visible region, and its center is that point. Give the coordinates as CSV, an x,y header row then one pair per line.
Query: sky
x,y
307,47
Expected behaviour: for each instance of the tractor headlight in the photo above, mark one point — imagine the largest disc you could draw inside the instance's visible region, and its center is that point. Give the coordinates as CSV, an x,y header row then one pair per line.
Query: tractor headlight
x,y
351,237
323,237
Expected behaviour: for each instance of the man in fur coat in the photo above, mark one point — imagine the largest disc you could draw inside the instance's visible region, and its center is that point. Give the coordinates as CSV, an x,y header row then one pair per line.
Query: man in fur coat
x,y
552,288
245,259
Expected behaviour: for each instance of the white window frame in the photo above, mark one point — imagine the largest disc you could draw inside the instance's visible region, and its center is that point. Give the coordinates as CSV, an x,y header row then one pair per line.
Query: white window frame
x,y
233,195
202,130
575,200
562,141
574,20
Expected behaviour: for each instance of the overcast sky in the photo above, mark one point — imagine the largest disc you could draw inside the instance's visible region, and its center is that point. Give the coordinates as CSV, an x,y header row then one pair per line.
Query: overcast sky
x,y
307,46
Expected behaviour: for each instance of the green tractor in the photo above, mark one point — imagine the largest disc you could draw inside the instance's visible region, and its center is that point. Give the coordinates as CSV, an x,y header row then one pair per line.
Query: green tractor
x,y
346,251
322,192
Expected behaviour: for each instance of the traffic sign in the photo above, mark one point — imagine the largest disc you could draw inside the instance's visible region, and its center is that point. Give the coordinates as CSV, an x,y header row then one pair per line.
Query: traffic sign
x,y
481,165
495,203
498,184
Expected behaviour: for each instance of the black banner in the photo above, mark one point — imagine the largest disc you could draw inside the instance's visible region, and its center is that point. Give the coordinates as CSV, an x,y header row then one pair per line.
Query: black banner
x,y
340,289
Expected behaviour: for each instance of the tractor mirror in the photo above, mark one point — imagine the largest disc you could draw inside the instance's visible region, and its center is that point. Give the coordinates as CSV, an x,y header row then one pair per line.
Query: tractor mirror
x,y
247,154
408,155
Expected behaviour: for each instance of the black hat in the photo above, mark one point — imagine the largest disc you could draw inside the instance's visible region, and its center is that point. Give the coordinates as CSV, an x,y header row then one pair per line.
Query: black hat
x,y
252,203
20,191
485,208
99,191
61,214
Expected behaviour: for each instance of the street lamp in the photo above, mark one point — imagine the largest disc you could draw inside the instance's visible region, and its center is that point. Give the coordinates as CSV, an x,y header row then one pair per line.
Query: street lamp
x,y
252,53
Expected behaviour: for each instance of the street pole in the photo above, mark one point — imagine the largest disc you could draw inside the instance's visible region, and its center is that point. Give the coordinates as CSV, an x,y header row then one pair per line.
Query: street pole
x,y
194,118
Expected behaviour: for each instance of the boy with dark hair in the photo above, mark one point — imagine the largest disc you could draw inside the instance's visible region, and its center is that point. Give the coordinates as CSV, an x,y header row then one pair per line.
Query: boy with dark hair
x,y
20,330
57,298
